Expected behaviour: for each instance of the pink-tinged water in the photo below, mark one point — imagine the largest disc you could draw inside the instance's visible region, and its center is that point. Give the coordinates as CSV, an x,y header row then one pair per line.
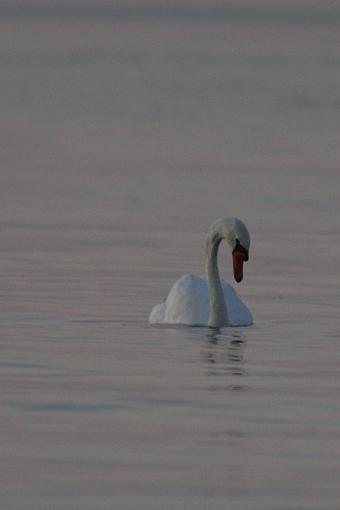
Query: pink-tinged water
x,y
122,137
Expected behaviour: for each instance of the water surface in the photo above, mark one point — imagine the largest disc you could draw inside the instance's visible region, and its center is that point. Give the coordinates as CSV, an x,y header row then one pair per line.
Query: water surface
x,y
123,136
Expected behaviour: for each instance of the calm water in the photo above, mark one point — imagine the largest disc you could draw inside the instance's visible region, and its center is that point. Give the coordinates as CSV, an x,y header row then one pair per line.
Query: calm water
x,y
124,134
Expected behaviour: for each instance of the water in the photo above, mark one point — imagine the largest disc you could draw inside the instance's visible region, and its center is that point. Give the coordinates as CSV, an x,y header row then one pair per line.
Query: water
x,y
124,134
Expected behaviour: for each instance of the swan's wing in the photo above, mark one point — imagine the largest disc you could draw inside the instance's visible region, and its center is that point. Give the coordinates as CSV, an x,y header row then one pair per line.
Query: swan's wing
x,y
239,313
187,303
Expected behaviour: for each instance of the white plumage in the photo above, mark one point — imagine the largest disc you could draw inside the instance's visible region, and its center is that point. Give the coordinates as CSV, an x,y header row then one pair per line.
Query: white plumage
x,y
188,304
209,300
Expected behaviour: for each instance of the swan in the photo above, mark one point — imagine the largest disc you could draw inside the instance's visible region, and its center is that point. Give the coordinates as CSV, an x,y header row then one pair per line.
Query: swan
x,y
208,300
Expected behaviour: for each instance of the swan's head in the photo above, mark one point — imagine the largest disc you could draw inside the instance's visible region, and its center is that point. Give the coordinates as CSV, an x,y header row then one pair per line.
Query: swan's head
x,y
239,241
237,236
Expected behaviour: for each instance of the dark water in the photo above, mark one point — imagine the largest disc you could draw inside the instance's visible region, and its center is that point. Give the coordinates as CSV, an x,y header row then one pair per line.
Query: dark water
x,y
125,132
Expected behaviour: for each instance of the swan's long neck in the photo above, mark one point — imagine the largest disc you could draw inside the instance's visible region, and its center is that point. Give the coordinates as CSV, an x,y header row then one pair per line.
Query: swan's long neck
x,y
218,314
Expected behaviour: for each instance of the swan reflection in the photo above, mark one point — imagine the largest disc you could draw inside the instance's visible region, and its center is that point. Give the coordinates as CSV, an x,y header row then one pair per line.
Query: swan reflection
x,y
224,358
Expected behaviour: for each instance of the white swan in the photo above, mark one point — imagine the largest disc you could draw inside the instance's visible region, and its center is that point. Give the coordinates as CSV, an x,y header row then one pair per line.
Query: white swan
x,y
209,301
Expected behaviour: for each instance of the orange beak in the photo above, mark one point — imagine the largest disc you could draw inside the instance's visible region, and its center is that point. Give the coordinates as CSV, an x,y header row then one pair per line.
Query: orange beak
x,y
238,259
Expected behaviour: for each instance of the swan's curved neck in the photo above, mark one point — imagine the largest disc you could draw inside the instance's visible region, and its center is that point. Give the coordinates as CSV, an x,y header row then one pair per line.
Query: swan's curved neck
x,y
218,313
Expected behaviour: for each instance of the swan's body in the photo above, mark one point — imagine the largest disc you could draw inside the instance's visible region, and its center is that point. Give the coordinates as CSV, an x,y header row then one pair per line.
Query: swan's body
x,y
188,304
209,301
